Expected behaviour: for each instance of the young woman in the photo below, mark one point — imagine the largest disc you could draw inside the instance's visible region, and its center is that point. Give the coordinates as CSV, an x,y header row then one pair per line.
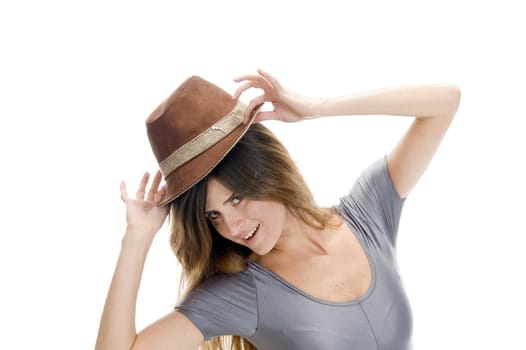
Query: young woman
x,y
263,266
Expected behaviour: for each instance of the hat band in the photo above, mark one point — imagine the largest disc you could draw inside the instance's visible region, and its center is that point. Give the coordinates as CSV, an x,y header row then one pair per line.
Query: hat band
x,y
203,141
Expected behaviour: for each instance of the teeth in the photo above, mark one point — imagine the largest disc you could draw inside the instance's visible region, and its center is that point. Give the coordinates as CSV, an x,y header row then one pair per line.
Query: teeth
x,y
251,233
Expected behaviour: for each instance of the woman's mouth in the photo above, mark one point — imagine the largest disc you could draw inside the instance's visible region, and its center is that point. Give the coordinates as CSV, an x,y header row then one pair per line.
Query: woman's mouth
x,y
251,233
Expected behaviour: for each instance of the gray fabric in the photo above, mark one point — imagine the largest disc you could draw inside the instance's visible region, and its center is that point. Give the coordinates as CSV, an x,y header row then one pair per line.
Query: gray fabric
x,y
272,314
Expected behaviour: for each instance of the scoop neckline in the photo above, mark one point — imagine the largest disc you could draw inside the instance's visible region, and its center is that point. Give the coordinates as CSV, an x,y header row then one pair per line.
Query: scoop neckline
x,y
366,295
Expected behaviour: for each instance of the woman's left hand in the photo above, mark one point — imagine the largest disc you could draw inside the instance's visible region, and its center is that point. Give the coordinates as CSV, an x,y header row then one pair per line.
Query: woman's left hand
x,y
144,216
288,106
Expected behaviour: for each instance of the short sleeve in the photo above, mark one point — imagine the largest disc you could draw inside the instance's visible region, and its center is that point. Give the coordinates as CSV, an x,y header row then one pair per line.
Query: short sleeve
x,y
374,200
226,304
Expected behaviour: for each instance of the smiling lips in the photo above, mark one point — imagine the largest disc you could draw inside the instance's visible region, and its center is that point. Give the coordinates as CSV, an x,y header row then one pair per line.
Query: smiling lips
x,y
251,233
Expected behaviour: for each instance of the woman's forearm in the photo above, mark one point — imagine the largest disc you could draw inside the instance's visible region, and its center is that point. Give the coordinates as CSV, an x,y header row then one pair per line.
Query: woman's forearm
x,y
433,100
117,326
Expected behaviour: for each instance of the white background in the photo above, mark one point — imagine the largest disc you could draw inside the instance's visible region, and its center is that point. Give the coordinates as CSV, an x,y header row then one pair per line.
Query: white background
x,y
78,79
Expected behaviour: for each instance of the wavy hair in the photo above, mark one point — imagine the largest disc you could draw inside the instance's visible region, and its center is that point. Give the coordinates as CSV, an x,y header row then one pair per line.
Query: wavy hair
x,y
258,167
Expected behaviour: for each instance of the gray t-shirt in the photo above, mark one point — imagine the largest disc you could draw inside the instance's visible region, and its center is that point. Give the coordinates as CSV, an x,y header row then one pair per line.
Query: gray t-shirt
x,y
273,314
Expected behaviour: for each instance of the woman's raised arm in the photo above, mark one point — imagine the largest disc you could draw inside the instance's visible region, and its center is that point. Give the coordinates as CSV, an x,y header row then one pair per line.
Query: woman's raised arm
x,y
117,325
432,105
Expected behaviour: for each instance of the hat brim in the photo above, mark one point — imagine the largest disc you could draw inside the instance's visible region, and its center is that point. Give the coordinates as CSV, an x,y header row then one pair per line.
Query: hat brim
x,y
190,173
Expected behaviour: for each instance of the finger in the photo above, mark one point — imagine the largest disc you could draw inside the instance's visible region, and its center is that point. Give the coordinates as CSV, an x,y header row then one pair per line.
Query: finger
x,y
259,81
269,80
124,194
252,107
247,77
255,111
159,195
142,186
242,89
268,77
259,84
268,115
155,185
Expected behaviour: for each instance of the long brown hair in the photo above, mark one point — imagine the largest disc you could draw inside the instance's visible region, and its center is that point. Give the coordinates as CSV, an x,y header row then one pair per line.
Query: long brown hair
x,y
258,167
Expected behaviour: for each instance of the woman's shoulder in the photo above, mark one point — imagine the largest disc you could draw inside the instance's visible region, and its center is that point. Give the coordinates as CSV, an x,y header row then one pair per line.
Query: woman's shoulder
x,y
373,184
223,304
372,204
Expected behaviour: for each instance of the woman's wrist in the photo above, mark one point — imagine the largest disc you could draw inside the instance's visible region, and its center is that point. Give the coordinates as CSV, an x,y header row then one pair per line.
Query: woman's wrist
x,y
136,239
316,107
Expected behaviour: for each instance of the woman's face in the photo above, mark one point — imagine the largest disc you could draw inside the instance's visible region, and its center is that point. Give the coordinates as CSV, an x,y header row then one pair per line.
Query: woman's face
x,y
256,224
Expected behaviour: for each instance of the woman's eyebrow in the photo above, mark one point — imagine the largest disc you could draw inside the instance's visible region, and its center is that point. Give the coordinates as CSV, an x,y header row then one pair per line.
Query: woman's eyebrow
x,y
229,198
225,202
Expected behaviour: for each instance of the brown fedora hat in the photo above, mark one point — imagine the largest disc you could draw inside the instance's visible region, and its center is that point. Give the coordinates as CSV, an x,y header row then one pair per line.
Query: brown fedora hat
x,y
192,131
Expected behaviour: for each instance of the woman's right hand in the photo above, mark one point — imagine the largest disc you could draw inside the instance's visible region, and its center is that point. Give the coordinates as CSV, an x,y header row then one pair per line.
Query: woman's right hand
x,y
288,106
144,217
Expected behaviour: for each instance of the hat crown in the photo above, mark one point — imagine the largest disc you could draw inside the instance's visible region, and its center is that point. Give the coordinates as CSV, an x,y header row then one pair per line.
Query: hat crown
x,y
189,111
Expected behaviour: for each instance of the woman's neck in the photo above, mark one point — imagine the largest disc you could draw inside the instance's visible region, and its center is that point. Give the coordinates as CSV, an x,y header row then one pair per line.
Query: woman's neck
x,y
302,239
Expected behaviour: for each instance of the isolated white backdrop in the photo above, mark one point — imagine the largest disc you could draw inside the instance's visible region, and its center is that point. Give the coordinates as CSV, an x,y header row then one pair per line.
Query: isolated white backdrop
x,y
78,79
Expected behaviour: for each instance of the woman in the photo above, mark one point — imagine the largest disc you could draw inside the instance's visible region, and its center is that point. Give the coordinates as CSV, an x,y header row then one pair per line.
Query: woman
x,y
261,262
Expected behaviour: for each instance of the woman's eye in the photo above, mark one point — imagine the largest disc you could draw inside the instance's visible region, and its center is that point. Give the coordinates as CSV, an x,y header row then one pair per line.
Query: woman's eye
x,y
236,199
212,215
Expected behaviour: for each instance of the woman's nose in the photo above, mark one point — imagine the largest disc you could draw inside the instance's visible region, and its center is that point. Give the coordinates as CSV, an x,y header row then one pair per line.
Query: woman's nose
x,y
234,223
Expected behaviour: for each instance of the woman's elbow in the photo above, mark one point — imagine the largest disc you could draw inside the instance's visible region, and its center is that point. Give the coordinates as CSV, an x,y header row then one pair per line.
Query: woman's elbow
x,y
453,96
